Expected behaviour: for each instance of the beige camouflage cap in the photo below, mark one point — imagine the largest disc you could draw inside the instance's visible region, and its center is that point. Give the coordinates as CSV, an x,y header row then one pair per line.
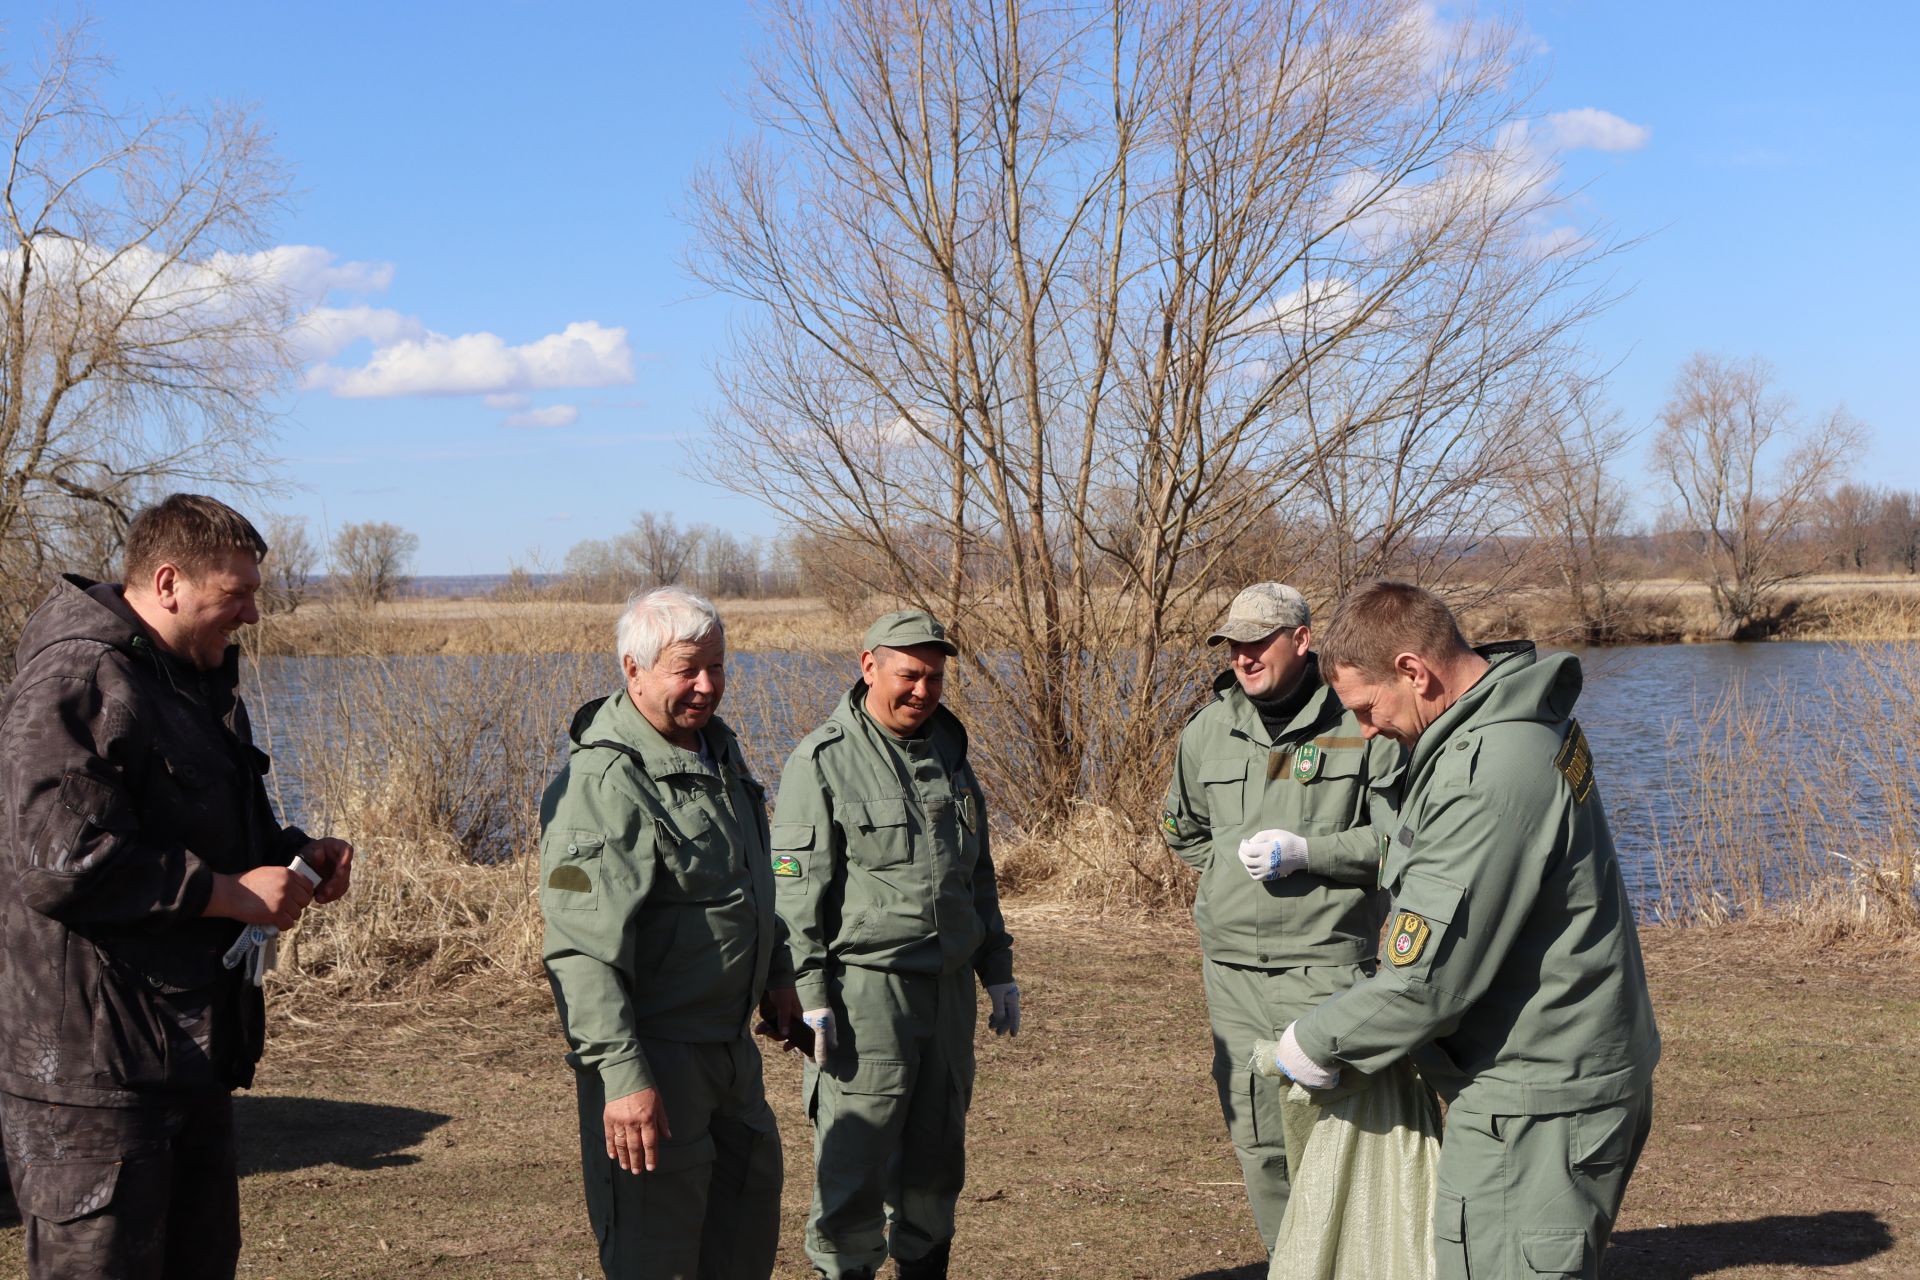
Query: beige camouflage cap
x,y
1261,610
905,628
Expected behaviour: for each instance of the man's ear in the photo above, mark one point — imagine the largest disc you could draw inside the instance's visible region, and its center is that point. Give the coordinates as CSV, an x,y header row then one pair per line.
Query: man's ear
x,y
166,585
1418,673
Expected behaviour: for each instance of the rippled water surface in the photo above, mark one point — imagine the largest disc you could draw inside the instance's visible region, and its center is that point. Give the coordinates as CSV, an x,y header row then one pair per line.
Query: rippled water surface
x,y
1639,709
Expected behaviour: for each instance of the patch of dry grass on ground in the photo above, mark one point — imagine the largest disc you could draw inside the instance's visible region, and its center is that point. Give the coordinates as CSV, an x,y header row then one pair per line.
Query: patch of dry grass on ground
x,y
436,1138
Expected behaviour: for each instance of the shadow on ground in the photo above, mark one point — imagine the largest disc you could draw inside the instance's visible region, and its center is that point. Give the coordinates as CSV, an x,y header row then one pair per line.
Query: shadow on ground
x,y
281,1134
1829,1239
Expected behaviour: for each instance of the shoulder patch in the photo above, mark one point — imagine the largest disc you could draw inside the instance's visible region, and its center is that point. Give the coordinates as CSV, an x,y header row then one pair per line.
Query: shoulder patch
x,y
1410,934
785,864
1575,763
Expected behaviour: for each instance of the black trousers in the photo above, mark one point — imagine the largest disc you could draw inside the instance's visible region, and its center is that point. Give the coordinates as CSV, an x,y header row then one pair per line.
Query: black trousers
x,y
148,1192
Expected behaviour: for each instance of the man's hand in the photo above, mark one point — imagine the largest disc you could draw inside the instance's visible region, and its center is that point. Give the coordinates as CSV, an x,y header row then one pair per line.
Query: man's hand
x,y
825,1035
780,1010
1273,854
264,895
1003,1018
333,859
636,1130
1284,1057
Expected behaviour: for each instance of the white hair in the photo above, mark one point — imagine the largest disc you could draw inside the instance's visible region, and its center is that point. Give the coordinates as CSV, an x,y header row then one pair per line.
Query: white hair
x,y
663,617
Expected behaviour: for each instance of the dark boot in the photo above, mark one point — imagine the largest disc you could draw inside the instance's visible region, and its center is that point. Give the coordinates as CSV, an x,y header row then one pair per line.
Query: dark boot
x,y
931,1267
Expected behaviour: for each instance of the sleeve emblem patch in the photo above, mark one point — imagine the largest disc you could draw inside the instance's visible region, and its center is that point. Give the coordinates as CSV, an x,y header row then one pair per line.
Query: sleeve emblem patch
x,y
1575,763
785,864
1410,934
1169,823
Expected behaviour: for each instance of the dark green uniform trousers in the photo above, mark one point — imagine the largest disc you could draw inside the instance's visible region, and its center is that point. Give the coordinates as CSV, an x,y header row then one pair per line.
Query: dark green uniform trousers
x,y
1525,1196
1245,1005
710,1209
890,1120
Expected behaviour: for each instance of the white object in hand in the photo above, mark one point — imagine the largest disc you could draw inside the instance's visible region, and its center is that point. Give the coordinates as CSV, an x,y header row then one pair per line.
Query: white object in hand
x,y
825,1037
1004,1017
256,944
1294,1062
1270,855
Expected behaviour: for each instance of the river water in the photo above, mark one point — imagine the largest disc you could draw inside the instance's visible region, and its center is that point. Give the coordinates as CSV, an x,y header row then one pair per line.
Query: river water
x,y
1638,709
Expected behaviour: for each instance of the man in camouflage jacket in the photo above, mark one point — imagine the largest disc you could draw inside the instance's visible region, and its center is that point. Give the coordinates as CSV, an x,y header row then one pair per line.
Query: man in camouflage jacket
x,y
138,841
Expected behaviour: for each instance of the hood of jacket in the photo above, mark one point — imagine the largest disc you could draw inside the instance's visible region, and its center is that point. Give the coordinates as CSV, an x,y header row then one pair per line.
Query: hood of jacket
x,y
1520,685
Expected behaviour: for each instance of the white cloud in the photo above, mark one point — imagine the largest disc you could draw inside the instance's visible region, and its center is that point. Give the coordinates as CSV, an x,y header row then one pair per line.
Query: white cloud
x,y
1314,307
325,332
1589,128
584,354
508,400
309,273
554,415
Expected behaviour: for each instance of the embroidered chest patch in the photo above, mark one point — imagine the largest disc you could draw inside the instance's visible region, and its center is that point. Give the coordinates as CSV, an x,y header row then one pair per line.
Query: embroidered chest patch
x,y
1306,762
785,864
1410,934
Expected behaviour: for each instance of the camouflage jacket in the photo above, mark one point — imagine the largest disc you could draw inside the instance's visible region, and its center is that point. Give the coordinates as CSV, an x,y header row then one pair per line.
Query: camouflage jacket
x,y
128,780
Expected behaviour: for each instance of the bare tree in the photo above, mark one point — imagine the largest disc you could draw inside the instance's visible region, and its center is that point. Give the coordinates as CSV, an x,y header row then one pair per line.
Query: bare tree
x,y
662,550
1055,303
140,341
1848,518
1899,530
370,560
1576,507
287,572
1747,475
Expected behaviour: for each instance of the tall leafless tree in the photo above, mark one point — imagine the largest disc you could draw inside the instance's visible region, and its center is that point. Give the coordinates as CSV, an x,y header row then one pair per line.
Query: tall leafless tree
x,y
1051,306
1746,475
370,561
287,573
1576,506
140,341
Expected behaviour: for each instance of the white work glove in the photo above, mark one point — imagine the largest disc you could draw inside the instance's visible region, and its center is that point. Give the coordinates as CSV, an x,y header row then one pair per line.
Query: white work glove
x,y
1285,1057
1270,855
1004,1018
825,1037
257,944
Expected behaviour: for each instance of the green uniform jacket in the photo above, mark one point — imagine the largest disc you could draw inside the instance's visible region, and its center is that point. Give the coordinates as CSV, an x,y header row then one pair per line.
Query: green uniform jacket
x,y
1230,780
656,890
880,854
1512,972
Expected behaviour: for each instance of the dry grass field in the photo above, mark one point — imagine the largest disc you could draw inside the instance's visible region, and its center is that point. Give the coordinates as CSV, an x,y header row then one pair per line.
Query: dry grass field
x,y
435,1139
1859,607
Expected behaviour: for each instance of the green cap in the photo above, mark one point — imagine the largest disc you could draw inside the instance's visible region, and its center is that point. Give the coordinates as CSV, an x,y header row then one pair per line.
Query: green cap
x,y
905,628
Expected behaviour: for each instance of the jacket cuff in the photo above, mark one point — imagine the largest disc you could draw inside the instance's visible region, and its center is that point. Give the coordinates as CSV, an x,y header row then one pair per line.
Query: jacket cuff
x,y
196,888
812,990
1315,1043
780,969
995,968
625,1076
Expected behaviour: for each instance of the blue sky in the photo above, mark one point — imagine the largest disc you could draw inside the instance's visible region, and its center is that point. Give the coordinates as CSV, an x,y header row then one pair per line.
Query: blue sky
x,y
498,172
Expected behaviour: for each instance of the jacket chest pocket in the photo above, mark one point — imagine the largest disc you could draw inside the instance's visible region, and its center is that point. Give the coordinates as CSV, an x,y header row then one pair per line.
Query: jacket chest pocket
x,y
880,832
694,852
1331,797
1226,785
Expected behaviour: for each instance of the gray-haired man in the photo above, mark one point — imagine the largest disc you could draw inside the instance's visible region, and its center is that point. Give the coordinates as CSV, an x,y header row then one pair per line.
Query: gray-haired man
x,y
1269,801
661,940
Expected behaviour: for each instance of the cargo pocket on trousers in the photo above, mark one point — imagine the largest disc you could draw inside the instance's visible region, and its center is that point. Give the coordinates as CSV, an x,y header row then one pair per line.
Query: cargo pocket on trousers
x,y
66,1190
1555,1251
1449,1237
874,1077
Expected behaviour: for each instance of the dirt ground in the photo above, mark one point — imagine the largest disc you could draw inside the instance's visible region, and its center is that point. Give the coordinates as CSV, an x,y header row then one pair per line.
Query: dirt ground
x,y
389,1141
